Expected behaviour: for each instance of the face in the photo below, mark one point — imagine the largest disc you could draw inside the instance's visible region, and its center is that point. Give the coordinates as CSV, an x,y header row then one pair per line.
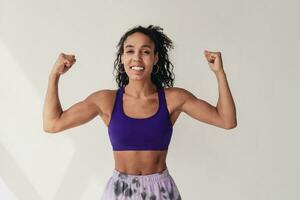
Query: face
x,y
138,57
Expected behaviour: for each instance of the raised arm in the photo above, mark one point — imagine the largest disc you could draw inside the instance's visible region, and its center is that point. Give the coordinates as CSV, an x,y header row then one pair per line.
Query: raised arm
x,y
54,118
223,114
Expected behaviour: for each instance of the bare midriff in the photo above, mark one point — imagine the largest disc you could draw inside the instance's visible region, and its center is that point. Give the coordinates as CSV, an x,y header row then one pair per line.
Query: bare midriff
x,y
140,162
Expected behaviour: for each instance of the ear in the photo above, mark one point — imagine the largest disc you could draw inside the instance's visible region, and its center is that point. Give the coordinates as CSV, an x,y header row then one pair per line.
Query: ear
x,y
156,58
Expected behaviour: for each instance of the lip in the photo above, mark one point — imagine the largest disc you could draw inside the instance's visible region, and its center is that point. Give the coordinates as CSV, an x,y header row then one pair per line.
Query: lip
x,y
137,66
137,71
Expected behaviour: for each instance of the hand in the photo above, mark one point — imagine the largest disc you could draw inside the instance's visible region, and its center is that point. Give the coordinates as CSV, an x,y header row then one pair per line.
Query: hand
x,y
63,63
214,60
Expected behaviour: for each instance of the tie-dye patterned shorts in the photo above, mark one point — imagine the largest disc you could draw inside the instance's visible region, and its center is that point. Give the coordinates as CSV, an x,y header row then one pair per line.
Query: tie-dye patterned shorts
x,y
157,186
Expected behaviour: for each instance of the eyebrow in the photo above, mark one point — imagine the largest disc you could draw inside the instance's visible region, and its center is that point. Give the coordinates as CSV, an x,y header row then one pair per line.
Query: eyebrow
x,y
145,45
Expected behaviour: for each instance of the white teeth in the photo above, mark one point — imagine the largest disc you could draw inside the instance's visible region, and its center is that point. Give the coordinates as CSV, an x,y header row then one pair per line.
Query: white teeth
x,y
137,68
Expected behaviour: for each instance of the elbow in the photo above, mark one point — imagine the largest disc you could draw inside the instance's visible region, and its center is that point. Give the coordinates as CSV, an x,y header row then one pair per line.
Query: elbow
x,y
232,126
49,128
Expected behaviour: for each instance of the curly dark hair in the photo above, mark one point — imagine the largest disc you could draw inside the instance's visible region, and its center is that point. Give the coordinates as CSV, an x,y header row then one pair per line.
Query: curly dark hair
x,y
164,76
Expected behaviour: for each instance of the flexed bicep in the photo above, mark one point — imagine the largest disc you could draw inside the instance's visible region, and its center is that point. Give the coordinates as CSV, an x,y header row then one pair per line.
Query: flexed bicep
x,y
199,109
77,114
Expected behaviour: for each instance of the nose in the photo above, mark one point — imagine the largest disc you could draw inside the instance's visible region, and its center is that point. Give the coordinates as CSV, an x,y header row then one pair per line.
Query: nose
x,y
137,56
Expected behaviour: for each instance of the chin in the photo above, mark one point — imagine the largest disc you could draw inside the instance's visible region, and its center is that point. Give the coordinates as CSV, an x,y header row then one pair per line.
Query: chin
x,y
137,77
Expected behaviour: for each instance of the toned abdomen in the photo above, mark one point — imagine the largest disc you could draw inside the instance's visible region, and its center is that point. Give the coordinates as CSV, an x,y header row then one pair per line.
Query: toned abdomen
x,y
140,162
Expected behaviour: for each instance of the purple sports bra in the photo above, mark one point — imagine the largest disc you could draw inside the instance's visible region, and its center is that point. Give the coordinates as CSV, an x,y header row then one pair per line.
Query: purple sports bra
x,y
151,133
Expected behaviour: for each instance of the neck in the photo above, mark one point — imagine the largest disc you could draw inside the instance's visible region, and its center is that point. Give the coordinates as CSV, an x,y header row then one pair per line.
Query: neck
x,y
140,89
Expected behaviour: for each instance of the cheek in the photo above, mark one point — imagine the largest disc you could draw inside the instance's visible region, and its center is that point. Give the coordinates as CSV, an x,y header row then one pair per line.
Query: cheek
x,y
126,60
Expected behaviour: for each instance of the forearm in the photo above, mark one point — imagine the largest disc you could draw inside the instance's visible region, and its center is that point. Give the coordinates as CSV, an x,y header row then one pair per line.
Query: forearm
x,y
52,106
225,105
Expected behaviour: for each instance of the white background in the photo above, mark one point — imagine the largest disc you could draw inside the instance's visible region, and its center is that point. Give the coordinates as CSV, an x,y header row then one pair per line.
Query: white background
x,y
259,42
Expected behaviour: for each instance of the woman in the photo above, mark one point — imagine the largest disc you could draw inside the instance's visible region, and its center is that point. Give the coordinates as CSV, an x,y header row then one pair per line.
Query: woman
x,y
141,113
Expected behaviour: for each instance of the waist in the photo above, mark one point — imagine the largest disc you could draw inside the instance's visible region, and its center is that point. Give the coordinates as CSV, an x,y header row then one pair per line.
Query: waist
x,y
140,162
137,178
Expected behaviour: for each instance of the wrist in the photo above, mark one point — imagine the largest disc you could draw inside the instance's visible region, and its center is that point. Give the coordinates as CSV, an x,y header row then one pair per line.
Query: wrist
x,y
220,72
54,75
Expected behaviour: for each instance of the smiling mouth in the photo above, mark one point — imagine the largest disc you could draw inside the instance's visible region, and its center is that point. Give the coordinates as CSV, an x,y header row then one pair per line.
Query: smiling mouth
x,y
137,68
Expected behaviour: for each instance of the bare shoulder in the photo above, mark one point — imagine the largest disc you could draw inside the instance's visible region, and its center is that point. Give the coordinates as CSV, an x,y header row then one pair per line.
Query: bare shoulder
x,y
177,96
101,94
102,98
178,93
176,90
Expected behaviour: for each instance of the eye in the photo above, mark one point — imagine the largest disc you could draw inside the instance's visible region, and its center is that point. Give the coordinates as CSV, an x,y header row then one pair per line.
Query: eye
x,y
131,51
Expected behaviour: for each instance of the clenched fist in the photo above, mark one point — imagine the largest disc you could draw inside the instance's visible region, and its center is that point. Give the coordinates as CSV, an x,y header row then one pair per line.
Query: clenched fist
x,y
63,63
